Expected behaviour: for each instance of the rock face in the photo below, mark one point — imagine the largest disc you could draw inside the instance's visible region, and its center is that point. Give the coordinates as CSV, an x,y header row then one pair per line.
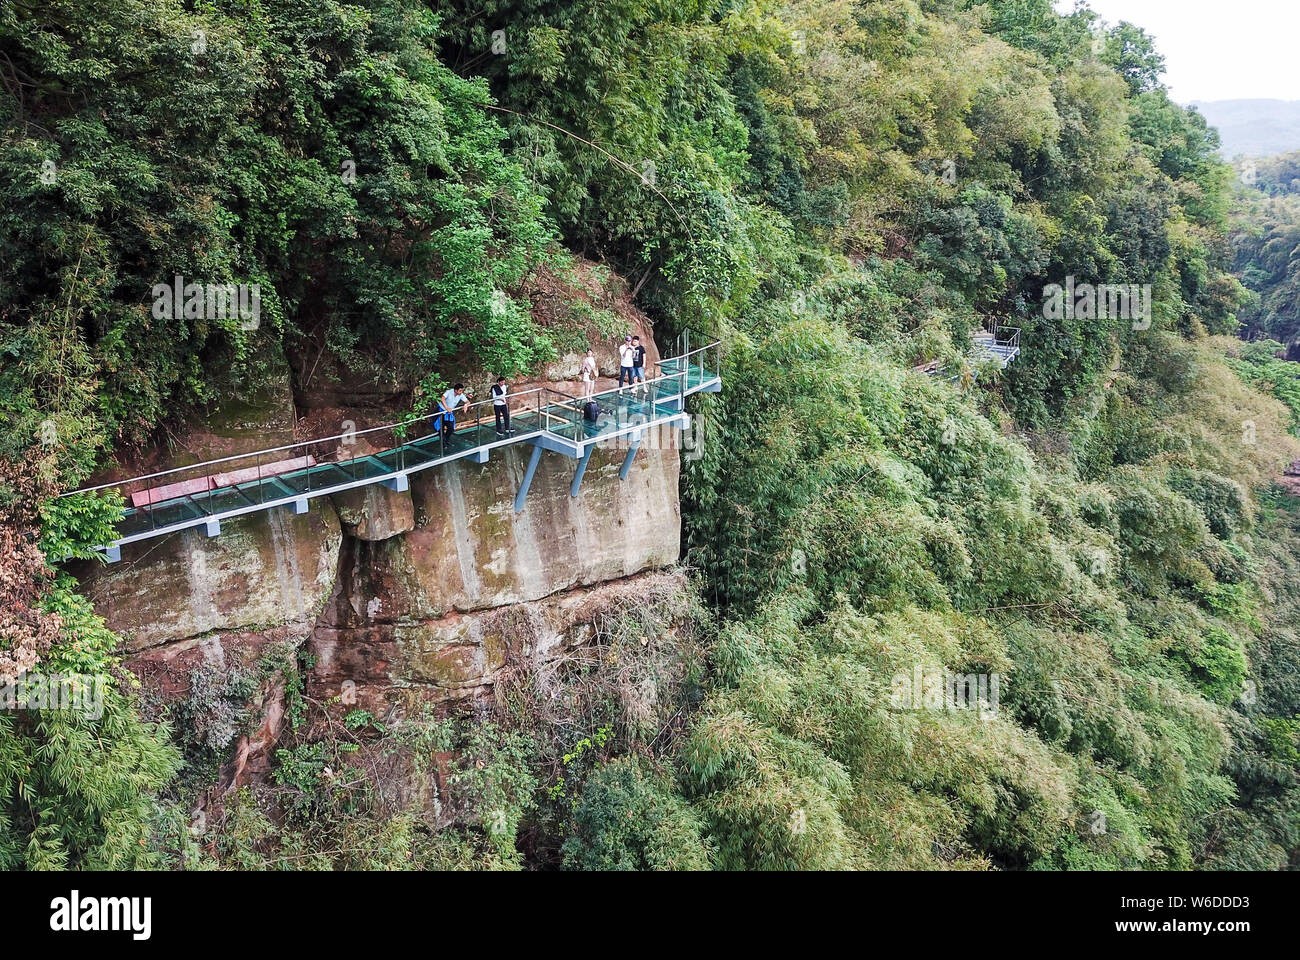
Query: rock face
x,y
267,570
470,551
568,366
384,667
374,512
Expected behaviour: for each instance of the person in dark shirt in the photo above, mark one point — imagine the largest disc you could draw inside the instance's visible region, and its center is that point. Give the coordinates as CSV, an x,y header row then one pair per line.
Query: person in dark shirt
x,y
638,361
501,407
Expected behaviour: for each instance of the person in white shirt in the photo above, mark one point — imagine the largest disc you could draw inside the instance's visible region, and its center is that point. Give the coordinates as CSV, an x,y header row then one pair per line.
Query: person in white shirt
x,y
501,407
626,354
452,399
589,373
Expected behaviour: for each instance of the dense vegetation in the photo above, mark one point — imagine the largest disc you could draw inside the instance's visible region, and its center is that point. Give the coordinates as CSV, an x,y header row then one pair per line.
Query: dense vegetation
x,y
1266,238
840,189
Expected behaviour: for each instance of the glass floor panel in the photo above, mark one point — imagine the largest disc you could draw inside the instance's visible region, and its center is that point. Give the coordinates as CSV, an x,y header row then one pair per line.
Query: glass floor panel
x,y
334,474
414,454
227,498
294,483
269,488
163,514
621,412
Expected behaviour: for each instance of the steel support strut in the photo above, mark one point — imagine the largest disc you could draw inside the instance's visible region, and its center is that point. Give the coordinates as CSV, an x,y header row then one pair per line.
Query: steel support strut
x,y
522,495
631,454
582,469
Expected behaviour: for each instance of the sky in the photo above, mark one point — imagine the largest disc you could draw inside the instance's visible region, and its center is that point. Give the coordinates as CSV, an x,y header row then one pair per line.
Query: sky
x,y
1217,49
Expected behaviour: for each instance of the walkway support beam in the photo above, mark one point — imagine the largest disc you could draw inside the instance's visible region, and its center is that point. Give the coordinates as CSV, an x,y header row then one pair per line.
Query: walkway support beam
x,y
522,495
582,469
631,455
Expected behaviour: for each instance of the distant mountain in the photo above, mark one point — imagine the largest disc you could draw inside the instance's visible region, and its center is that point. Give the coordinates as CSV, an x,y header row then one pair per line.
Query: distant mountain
x,y
1254,128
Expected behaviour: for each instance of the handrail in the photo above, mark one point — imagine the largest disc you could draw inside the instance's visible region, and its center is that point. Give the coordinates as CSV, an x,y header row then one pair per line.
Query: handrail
x,y
691,353
542,411
292,446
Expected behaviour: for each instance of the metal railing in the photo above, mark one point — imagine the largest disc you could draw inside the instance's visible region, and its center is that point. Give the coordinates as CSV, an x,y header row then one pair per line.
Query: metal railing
x,y
247,482
308,468
1008,337
992,339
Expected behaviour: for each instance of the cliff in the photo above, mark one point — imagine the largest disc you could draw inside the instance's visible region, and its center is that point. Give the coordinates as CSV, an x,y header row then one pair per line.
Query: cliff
x,y
396,599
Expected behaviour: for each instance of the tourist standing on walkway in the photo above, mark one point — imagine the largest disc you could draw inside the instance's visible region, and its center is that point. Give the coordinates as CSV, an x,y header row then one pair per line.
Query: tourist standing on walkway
x,y
625,355
589,373
452,399
638,361
501,407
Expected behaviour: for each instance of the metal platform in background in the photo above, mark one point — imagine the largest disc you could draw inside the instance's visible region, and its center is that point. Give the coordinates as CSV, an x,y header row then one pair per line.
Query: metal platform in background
x,y
1000,344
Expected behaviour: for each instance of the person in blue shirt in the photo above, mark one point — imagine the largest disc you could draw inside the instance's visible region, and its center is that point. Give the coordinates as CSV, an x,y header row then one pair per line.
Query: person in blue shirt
x,y
452,399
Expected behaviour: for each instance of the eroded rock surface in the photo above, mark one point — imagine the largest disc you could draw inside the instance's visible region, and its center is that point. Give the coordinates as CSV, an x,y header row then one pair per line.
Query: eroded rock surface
x,y
374,512
386,667
398,599
265,570
471,551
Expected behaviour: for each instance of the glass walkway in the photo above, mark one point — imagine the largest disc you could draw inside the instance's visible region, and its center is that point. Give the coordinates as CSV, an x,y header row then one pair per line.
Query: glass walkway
x,y
206,493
